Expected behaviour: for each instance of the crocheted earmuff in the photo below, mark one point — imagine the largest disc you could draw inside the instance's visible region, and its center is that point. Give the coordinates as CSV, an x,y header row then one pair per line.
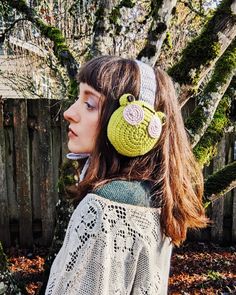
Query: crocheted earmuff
x,y
134,128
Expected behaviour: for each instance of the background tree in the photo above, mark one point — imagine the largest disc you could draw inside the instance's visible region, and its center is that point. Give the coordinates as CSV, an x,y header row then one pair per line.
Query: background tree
x,y
193,40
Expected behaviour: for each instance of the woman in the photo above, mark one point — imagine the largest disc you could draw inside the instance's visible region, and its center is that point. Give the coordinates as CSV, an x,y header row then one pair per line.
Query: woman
x,y
140,190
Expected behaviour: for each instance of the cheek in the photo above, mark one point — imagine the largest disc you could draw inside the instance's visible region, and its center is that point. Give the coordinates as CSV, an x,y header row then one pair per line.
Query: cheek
x,y
93,129
93,124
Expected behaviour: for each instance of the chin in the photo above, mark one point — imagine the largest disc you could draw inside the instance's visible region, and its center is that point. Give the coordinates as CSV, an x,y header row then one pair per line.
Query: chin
x,y
77,150
73,149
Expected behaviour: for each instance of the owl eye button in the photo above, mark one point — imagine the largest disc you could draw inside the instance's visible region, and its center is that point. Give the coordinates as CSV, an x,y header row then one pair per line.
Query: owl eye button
x,y
154,127
133,114
130,98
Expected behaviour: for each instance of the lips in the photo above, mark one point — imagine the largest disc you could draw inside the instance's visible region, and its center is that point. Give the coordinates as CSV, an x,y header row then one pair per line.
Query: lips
x,y
70,131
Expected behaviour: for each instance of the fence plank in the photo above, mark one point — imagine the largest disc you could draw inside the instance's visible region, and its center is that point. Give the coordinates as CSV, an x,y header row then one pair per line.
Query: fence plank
x,y
218,205
46,177
10,164
4,216
22,172
234,217
33,109
64,137
57,149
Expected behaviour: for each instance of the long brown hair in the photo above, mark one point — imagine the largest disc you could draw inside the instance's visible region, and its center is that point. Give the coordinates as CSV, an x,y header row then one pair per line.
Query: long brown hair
x,y
176,176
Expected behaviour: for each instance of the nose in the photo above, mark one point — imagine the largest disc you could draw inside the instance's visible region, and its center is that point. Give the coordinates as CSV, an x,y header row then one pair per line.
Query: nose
x,y
71,115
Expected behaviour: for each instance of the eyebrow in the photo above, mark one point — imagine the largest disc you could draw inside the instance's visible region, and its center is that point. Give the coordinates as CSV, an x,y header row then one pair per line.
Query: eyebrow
x,y
87,92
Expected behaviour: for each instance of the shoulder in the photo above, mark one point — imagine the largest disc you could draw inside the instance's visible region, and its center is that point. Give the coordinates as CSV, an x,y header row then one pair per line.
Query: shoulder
x,y
127,192
99,214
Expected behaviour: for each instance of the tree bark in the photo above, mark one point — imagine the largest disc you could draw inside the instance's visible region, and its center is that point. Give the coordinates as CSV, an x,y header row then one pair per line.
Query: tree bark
x,y
206,148
202,116
60,49
221,182
157,32
201,54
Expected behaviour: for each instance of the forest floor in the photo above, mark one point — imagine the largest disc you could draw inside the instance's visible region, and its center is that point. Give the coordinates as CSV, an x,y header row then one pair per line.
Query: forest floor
x,y
196,268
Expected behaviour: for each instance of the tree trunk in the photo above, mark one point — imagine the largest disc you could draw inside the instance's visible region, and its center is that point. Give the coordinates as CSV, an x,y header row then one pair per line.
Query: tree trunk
x,y
201,54
202,116
221,182
217,215
206,148
157,32
60,48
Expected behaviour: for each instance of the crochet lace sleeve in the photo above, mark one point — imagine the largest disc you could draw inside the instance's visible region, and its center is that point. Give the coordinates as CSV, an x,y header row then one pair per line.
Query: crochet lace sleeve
x,y
106,252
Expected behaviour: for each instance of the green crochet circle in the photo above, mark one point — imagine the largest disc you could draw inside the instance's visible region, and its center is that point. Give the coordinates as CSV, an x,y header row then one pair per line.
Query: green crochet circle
x,y
132,140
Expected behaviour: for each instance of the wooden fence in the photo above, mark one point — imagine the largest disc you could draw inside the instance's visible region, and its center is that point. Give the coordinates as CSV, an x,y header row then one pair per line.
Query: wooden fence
x,y
32,143
222,211
32,146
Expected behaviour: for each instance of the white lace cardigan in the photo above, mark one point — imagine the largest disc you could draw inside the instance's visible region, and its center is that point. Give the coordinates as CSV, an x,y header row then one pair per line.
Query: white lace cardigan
x,y
111,248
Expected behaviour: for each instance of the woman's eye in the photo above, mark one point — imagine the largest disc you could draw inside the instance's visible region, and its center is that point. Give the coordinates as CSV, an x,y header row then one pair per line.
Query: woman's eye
x,y
89,106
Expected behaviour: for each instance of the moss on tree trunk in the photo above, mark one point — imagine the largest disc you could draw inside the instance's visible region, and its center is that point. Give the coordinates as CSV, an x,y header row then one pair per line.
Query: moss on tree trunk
x,y
60,47
208,101
220,182
206,148
207,47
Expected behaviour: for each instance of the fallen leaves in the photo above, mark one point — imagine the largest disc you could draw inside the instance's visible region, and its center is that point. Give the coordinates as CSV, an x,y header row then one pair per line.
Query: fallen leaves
x,y
203,269
196,268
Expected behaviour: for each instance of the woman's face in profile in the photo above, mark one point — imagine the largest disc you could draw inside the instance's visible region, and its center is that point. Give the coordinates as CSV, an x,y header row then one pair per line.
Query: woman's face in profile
x,y
83,117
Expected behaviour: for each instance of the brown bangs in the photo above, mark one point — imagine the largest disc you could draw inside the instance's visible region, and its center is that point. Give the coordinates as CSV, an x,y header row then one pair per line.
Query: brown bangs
x,y
89,74
111,76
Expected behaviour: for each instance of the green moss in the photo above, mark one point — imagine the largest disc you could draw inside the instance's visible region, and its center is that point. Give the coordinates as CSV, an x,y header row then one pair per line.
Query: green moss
x,y
22,4
206,149
127,3
220,181
115,15
63,54
195,121
168,40
56,35
73,89
52,33
201,51
98,24
67,173
155,6
99,13
223,68
88,55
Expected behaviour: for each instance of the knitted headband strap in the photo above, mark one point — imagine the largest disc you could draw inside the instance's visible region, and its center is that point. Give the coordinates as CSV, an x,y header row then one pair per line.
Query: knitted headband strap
x,y
148,83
